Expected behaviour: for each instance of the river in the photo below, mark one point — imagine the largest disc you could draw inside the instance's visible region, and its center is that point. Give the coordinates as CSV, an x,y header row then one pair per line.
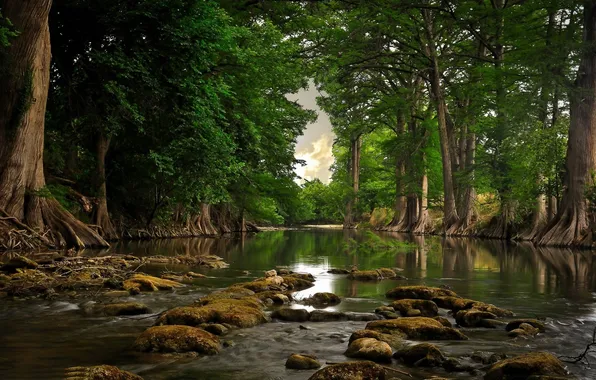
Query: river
x,y
40,338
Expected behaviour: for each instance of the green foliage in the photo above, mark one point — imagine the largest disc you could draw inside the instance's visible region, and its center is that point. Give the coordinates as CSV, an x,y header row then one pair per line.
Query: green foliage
x,y
372,243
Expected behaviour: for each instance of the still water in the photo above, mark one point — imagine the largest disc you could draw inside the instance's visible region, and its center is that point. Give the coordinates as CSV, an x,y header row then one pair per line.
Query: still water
x,y
38,339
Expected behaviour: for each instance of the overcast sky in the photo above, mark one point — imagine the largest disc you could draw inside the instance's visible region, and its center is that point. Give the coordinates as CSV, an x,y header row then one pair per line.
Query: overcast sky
x,y
315,145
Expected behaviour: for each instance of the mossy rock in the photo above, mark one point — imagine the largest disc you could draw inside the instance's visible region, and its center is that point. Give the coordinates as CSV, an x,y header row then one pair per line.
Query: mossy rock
x,y
259,286
123,308
416,308
524,367
372,275
338,271
418,328
298,281
394,340
327,316
512,325
444,321
322,299
524,330
249,301
291,315
361,370
99,372
304,276
369,349
177,339
474,318
278,297
302,361
233,292
453,303
418,292
421,355
499,312
234,312
214,328
144,282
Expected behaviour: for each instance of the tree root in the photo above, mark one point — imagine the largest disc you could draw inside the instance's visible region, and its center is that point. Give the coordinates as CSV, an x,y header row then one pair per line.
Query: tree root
x,y
583,356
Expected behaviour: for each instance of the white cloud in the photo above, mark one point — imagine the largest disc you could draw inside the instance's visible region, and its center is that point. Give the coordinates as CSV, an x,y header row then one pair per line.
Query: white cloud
x,y
318,157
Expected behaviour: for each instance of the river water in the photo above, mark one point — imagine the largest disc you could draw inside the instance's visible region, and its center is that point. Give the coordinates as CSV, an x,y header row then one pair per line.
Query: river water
x,y
39,339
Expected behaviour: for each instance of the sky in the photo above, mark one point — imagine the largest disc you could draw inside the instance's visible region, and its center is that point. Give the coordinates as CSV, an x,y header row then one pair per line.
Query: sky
x,y
315,145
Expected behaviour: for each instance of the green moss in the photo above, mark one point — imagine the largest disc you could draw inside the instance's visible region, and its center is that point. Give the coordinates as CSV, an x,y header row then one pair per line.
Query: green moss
x,y
177,339
416,328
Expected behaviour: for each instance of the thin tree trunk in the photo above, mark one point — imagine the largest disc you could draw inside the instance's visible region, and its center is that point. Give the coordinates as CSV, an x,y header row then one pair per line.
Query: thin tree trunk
x,y
355,143
101,217
25,82
571,226
400,200
423,224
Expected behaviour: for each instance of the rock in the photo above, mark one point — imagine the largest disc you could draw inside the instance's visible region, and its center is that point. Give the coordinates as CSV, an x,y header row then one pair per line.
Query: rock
x,y
388,314
144,282
418,292
363,370
116,293
453,303
394,341
214,328
372,275
327,316
124,308
291,315
362,317
232,292
276,297
280,299
299,281
322,299
524,329
302,361
369,349
444,321
177,339
417,328
487,357
525,366
238,313
416,308
18,262
100,372
228,343
172,277
271,273
421,355
304,276
384,308
499,312
473,318
512,325
338,271
195,275
454,365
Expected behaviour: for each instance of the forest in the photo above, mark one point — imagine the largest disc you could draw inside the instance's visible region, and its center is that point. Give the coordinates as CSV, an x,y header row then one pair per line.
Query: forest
x,y
155,118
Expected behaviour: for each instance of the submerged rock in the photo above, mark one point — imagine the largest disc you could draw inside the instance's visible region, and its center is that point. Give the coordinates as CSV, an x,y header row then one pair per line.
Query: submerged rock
x,y
327,316
238,313
420,328
524,329
394,341
526,366
418,292
416,308
123,308
338,271
474,318
291,315
323,299
362,317
99,372
364,370
512,325
487,357
144,282
177,339
370,349
302,361
421,355
372,275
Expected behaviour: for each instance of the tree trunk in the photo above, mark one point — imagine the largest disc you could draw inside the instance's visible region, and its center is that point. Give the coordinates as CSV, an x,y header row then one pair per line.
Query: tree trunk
x,y
204,220
399,207
25,83
571,226
101,217
423,224
355,143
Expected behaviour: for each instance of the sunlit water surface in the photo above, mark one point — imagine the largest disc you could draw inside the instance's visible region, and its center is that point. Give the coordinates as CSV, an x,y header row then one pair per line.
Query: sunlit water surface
x,y
39,339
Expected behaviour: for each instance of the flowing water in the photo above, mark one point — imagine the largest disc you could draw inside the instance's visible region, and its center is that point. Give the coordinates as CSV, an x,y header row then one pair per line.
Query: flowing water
x,y
38,339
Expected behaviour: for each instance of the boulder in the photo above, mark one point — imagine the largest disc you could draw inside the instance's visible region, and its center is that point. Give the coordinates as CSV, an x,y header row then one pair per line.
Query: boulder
x,y
487,357
394,341
302,361
416,308
323,299
418,292
362,370
271,273
214,328
474,318
421,355
291,315
525,366
338,271
298,281
453,303
144,282
417,328
178,339
372,275
123,308
362,317
444,321
99,372
512,325
327,316
280,299
369,349
524,329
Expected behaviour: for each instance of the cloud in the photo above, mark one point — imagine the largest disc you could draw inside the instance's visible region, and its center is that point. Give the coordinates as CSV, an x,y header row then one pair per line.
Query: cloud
x,y
318,157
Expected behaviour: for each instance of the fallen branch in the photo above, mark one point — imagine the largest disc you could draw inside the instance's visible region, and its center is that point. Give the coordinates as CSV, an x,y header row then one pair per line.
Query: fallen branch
x,y
582,356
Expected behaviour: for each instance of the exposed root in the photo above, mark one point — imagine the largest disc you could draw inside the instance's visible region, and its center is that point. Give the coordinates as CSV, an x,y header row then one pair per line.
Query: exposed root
x,y
569,228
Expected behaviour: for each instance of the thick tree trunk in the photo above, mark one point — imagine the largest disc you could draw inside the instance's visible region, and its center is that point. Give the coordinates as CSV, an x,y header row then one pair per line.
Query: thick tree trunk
x,y
25,82
101,217
399,207
204,220
571,226
355,145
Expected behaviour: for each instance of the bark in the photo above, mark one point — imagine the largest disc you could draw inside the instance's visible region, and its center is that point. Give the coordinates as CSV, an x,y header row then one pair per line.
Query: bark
x,y
204,220
101,217
571,226
25,83
400,200
423,223
355,145
450,217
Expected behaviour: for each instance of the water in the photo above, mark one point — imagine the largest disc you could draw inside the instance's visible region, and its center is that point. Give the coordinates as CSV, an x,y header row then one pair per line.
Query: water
x,y
38,339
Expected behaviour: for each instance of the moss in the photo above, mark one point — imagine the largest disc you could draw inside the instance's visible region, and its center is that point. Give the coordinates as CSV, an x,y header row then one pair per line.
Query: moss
x,y
525,366
453,303
532,322
370,349
419,292
473,318
394,340
417,328
124,308
244,301
302,361
322,299
145,282
372,275
298,282
100,372
177,339
362,370
238,313
303,276
421,355
425,308
444,321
